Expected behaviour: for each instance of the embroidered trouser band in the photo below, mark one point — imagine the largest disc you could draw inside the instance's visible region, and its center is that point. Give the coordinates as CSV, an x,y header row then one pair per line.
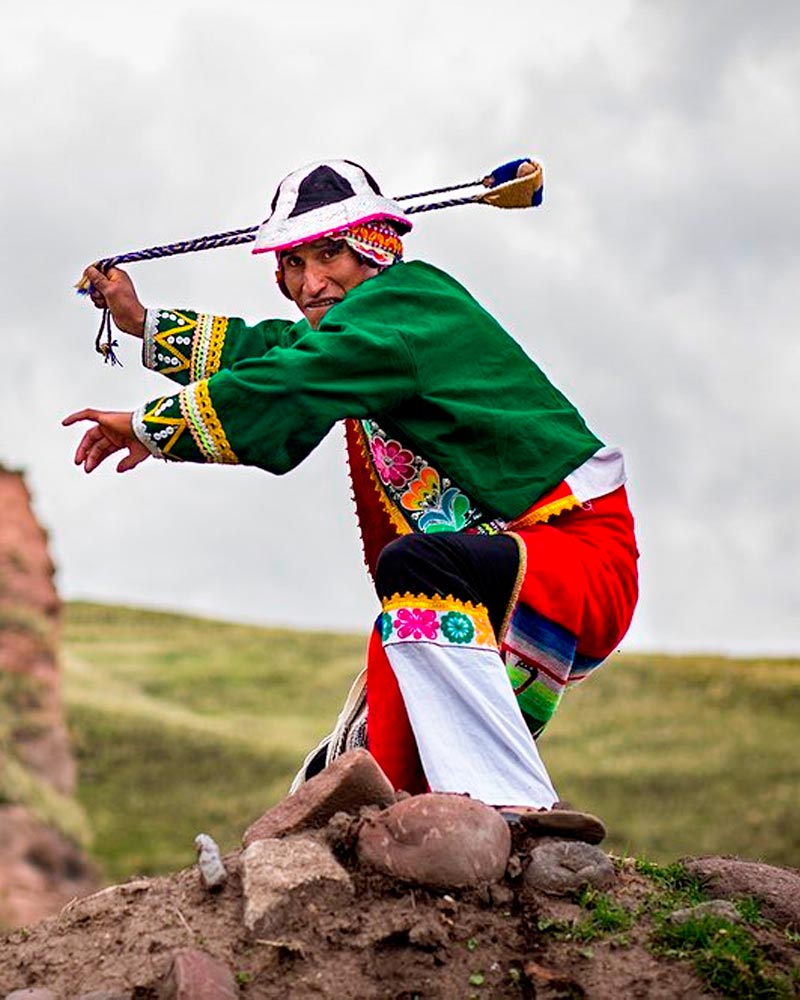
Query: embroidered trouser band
x,y
462,713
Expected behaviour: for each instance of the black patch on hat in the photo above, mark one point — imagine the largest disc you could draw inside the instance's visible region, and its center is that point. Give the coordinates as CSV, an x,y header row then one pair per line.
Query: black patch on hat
x,y
323,186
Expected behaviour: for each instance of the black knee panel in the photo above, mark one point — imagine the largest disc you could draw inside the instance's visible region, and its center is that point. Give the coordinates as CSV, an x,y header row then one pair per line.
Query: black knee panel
x,y
477,568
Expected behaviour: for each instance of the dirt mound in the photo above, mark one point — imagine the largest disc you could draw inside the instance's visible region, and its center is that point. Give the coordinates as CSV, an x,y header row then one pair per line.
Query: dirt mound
x,y
41,868
336,928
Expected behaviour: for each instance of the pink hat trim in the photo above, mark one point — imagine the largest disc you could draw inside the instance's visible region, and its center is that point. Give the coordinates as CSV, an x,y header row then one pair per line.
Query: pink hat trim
x,y
328,232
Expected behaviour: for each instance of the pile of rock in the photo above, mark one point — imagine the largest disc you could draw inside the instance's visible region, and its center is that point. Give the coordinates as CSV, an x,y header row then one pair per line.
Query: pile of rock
x,y
300,855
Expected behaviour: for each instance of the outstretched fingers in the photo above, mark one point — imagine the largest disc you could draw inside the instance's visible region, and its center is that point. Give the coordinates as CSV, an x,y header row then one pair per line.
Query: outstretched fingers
x,y
112,431
78,415
94,447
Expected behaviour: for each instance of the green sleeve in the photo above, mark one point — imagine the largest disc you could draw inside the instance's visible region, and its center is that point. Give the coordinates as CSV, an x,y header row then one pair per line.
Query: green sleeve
x,y
186,346
271,411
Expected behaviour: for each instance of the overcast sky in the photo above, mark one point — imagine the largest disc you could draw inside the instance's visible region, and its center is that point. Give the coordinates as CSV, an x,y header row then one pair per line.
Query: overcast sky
x,y
658,284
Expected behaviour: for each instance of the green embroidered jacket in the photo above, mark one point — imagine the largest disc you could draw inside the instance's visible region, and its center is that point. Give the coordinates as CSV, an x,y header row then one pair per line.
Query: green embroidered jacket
x,y
410,348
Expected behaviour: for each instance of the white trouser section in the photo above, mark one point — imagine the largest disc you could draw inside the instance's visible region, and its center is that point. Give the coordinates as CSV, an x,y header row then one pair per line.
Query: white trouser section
x,y
468,726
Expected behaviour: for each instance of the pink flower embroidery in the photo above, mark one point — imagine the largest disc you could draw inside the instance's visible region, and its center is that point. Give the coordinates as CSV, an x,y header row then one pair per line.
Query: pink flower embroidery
x,y
393,461
416,623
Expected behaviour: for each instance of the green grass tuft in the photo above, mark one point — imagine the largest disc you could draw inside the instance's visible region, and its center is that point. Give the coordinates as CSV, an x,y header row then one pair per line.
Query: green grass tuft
x,y
604,916
724,955
676,887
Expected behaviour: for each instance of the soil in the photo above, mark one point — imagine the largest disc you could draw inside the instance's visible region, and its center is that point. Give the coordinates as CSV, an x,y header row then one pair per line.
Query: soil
x,y
397,942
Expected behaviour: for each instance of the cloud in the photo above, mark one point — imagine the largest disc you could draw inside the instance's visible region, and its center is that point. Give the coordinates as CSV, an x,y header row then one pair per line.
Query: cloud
x,y
657,284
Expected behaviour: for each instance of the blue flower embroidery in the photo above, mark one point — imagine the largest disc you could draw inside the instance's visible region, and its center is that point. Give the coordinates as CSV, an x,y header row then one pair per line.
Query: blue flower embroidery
x,y
457,627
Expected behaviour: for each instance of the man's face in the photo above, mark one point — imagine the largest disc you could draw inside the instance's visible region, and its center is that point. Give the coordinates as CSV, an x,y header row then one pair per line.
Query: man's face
x,y
319,274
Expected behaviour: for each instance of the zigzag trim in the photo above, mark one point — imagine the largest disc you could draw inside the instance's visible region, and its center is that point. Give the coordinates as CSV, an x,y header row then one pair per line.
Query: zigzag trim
x,y
434,603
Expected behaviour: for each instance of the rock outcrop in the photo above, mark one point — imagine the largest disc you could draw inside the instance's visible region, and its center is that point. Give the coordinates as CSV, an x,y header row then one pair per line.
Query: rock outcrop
x,y
41,863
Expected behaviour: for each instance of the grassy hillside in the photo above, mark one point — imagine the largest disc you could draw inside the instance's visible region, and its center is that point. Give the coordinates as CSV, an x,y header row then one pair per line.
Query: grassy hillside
x,y
185,725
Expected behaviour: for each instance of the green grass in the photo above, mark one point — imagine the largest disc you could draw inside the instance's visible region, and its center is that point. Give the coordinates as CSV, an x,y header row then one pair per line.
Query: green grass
x,y
684,755
725,955
602,917
150,788
186,724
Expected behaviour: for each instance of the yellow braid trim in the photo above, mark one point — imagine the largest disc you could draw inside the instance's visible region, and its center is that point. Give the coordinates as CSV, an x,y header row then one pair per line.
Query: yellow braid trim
x,y
540,514
218,329
521,570
205,425
434,603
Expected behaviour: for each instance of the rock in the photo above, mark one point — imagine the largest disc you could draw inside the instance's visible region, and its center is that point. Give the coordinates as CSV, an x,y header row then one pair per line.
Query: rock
x,y
778,889
105,995
439,840
721,908
41,870
209,863
31,994
284,878
561,866
350,782
549,983
194,975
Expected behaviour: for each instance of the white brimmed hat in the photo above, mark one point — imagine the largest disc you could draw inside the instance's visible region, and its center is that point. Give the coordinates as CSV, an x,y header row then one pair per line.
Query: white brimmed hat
x,y
322,199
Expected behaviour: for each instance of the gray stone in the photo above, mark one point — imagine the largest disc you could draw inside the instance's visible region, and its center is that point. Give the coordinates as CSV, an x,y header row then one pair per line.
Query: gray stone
x,y
194,975
721,908
439,840
209,863
778,889
283,879
350,782
561,866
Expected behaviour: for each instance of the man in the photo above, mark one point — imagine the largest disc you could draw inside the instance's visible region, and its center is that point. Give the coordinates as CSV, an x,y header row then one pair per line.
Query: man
x,y
495,523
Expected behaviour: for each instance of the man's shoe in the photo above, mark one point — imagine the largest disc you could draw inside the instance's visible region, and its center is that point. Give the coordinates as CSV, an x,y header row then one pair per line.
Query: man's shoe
x,y
555,822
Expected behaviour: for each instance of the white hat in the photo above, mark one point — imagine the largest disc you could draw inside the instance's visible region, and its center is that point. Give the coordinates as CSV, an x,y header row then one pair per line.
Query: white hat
x,y
321,199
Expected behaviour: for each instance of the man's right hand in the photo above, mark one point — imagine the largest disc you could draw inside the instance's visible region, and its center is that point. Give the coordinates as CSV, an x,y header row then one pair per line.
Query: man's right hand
x,y
115,291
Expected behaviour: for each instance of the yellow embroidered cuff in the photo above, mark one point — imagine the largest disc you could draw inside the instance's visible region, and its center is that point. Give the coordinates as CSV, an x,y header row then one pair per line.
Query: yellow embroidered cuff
x,y
159,425
182,344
